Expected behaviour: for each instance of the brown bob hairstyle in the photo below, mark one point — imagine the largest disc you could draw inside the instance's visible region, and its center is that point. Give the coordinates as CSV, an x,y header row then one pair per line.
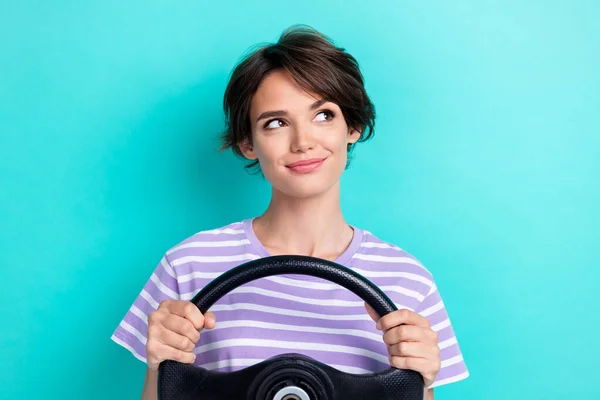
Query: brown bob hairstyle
x,y
316,64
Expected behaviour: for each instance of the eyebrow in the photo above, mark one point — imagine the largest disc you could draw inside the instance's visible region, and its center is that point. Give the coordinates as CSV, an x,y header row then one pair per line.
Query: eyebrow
x,y
281,113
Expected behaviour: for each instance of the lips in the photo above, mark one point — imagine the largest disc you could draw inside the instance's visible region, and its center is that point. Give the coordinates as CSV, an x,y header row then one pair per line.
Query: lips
x,y
306,166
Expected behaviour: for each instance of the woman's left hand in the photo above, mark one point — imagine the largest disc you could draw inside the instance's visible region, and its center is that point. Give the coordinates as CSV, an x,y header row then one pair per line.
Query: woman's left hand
x,y
412,345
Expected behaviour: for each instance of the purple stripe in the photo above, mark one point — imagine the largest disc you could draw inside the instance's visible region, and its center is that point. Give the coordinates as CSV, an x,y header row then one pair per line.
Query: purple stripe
x,y
137,323
212,267
156,293
221,251
450,352
451,371
235,315
429,301
263,353
204,236
165,279
131,340
445,334
437,317
210,336
387,252
254,298
395,266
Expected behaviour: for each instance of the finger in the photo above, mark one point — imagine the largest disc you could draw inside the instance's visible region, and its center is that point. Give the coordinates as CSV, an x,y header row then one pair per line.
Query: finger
x,y
172,353
175,340
403,316
413,349
209,320
189,311
409,333
372,313
426,368
181,326
423,366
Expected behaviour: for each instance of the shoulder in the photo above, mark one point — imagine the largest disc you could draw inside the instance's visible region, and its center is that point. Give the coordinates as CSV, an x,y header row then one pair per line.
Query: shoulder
x,y
212,243
380,258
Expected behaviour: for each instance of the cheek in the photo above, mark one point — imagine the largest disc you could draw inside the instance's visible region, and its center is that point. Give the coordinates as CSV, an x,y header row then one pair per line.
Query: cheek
x,y
268,153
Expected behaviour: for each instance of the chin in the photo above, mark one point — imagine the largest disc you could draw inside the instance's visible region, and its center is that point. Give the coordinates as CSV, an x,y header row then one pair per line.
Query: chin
x,y
305,190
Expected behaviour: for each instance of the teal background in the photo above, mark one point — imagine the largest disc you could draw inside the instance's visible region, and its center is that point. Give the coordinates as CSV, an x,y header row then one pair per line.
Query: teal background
x,y
485,165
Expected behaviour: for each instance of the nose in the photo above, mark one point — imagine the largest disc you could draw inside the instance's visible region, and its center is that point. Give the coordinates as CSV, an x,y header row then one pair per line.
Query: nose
x,y
302,140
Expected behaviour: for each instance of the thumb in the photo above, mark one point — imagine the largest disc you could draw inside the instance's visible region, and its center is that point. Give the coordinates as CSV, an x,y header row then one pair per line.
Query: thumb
x,y
209,320
372,313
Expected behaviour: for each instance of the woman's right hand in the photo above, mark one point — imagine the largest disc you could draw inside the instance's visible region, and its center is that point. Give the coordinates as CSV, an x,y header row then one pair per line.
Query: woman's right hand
x,y
173,330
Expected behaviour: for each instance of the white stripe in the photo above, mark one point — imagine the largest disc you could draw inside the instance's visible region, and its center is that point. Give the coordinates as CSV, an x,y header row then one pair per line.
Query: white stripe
x,y
376,258
221,243
304,300
247,362
432,290
149,299
128,347
427,312
438,327
163,288
167,267
213,259
351,370
377,245
447,343
236,362
239,342
133,331
198,275
297,328
219,231
295,313
452,361
303,284
393,274
388,259
451,379
139,313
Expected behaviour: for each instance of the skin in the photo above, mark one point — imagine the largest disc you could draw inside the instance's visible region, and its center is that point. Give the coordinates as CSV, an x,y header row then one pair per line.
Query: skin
x,y
304,217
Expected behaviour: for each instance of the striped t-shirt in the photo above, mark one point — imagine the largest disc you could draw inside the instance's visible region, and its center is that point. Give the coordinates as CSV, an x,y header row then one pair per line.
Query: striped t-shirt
x,y
291,313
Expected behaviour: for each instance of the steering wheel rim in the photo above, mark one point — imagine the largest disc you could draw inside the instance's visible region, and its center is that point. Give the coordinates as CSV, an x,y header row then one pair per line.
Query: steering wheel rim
x,y
299,265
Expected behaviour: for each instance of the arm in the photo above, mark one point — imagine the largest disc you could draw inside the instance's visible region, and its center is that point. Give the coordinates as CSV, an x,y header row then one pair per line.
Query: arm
x,y
428,394
149,392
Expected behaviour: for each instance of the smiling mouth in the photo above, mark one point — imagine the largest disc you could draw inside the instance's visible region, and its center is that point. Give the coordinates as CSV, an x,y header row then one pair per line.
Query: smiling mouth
x,y
306,166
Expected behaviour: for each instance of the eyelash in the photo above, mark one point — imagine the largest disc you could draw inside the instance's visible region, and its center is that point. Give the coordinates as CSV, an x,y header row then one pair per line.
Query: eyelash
x,y
331,116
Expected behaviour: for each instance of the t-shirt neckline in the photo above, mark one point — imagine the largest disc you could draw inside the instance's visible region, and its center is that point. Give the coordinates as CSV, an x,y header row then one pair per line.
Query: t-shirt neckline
x,y
342,259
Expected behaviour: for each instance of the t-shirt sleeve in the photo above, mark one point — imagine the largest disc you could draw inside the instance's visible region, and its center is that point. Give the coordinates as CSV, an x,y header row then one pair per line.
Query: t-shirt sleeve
x,y
132,331
453,367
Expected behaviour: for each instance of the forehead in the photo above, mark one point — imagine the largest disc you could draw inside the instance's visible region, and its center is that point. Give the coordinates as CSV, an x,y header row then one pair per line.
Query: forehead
x,y
279,91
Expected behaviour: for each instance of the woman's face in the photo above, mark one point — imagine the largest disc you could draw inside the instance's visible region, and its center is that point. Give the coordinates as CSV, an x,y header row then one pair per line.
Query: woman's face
x,y
292,127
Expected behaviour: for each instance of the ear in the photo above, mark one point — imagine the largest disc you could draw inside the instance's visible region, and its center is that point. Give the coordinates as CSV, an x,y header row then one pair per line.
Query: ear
x,y
353,135
247,149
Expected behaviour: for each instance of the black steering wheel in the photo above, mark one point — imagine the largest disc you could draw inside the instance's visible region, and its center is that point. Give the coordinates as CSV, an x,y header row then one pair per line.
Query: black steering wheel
x,y
288,376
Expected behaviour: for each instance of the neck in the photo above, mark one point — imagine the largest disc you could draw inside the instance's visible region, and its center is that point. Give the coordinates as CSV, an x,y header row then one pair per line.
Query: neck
x,y
313,226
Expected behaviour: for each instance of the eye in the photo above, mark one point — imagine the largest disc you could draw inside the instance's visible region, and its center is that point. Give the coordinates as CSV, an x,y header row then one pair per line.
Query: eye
x,y
274,124
324,115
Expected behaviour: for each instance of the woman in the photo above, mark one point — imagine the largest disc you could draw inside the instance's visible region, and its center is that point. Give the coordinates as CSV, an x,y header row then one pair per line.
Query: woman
x,y
295,109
